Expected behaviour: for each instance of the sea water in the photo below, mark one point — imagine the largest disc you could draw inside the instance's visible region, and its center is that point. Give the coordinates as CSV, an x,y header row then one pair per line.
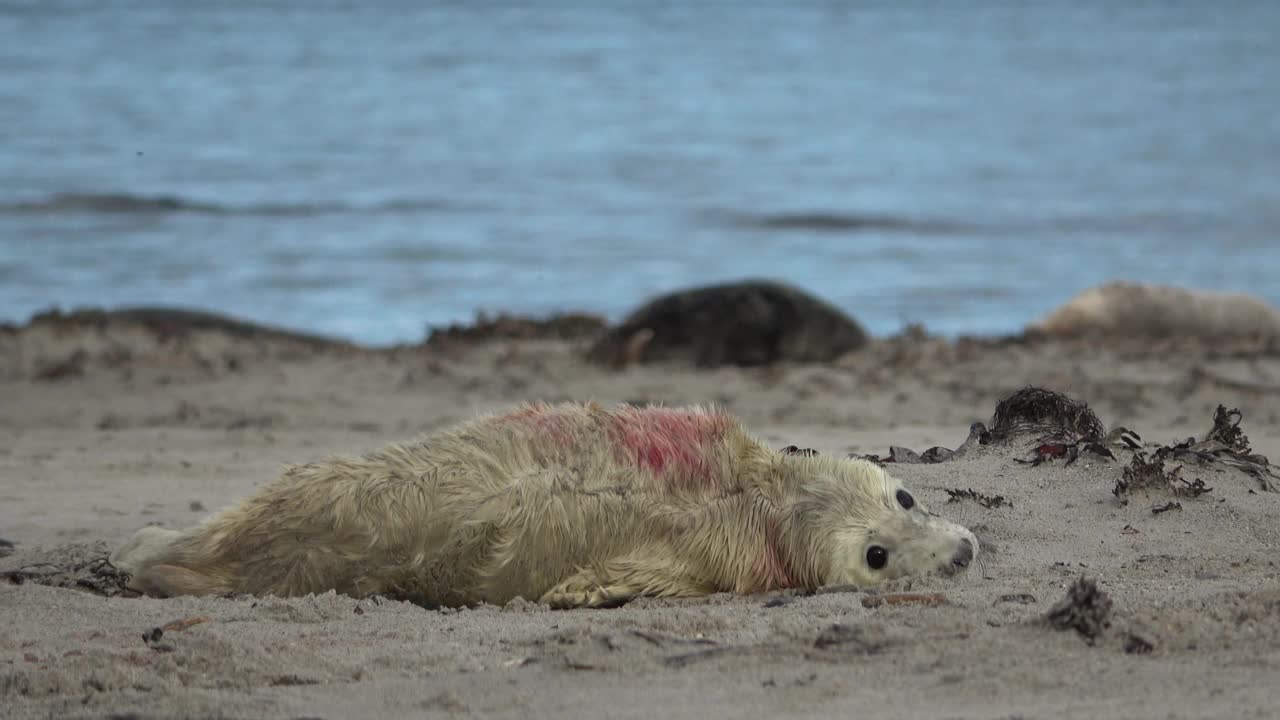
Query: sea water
x,y
369,169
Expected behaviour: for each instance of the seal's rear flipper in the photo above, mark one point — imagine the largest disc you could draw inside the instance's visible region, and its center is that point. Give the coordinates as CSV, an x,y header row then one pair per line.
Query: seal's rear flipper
x,y
147,546
172,580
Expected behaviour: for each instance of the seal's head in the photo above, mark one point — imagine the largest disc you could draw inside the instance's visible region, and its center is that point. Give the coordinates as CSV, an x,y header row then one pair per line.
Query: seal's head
x,y
861,527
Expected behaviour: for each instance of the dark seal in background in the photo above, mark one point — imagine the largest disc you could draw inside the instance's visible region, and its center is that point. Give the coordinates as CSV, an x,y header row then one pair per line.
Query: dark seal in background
x,y
745,323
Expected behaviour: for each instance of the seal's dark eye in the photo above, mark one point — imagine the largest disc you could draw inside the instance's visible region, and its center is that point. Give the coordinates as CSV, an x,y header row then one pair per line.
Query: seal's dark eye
x,y
905,500
877,557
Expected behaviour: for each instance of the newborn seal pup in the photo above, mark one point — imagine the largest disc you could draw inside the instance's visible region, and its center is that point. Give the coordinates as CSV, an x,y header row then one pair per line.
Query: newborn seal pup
x,y
572,505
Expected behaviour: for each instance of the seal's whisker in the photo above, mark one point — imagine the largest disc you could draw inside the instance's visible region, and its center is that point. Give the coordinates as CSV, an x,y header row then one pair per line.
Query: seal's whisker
x,y
984,564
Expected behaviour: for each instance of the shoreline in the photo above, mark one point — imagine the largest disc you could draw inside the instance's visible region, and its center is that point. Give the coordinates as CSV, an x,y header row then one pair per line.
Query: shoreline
x,y
690,322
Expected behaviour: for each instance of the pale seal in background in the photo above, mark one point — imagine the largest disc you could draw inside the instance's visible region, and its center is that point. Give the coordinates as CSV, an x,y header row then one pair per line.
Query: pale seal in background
x,y
1145,310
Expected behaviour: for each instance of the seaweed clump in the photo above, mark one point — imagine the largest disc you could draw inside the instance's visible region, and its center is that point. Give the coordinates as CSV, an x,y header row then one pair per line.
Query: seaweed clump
x,y
1050,417
1145,474
1225,443
78,566
1226,429
564,326
1085,609
987,501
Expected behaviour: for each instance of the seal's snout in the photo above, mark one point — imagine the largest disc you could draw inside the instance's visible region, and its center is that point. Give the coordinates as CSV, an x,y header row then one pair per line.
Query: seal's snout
x,y
963,555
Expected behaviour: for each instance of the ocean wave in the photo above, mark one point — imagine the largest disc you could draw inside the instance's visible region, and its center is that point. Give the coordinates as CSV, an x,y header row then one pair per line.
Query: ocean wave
x,y
835,222
126,203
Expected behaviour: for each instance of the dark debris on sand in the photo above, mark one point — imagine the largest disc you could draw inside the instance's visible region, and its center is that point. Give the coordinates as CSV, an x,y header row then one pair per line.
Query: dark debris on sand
x,y
1070,451
1227,444
1059,427
1145,474
1138,645
987,501
870,457
746,323
1226,429
175,323
563,326
937,454
1050,417
67,345
79,567
867,639
1085,609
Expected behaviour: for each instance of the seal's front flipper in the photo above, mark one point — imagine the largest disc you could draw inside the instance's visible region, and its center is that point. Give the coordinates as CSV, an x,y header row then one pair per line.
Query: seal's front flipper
x,y
581,591
620,581
172,580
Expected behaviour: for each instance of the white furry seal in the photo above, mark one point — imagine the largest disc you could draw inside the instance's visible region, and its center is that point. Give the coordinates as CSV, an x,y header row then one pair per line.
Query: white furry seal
x,y
573,505
1145,310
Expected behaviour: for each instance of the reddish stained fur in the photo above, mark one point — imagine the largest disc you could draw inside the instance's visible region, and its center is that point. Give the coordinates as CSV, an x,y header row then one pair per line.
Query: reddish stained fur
x,y
776,572
541,420
669,443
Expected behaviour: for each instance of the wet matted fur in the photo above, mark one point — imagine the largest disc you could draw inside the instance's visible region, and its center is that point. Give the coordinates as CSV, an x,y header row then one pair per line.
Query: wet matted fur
x,y
570,504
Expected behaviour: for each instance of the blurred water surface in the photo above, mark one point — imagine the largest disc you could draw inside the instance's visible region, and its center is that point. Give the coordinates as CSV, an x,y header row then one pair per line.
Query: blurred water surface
x,y
367,169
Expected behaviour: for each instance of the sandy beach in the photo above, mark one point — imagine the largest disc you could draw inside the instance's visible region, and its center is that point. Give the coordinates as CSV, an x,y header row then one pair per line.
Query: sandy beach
x,y
1024,256
106,427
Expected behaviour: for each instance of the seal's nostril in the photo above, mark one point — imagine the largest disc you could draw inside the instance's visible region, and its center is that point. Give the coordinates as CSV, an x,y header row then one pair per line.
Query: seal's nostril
x,y
964,554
